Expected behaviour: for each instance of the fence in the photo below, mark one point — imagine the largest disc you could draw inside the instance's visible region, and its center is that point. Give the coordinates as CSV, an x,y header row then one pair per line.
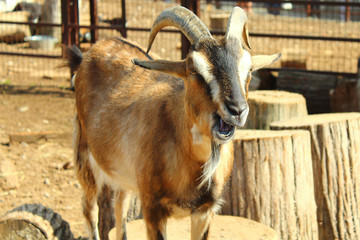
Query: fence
x,y
318,36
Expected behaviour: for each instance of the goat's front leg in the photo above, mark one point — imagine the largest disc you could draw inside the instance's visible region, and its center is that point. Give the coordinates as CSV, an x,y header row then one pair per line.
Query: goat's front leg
x,y
155,216
121,209
200,224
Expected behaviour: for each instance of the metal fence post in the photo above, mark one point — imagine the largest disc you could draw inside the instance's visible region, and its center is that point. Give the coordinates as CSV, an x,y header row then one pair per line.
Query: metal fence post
x,y
65,23
93,21
74,20
123,29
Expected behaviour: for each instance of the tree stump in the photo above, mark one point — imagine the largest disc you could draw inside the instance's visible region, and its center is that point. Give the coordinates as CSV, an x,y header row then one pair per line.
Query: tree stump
x,y
221,227
34,222
269,106
335,148
272,182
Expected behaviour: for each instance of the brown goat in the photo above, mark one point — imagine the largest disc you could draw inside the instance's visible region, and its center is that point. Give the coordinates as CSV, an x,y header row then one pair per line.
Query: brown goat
x,y
162,129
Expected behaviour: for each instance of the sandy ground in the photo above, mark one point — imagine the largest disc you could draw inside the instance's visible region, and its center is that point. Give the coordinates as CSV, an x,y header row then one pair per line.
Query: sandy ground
x,y
39,165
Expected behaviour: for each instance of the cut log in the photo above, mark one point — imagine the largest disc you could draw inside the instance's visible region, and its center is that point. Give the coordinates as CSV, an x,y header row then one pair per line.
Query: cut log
x,y
34,222
335,140
269,106
221,227
272,182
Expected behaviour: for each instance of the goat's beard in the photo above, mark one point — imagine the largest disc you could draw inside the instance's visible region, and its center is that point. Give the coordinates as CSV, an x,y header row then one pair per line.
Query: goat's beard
x,y
209,168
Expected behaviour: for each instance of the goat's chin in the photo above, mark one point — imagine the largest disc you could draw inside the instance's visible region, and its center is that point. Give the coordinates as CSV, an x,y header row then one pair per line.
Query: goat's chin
x,y
222,131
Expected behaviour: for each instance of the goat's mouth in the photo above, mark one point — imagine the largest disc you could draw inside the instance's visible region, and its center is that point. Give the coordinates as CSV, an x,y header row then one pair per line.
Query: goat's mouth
x,y
222,130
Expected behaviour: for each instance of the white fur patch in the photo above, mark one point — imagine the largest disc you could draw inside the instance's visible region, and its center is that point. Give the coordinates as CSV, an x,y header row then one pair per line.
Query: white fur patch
x,y
122,178
196,134
202,66
72,81
244,68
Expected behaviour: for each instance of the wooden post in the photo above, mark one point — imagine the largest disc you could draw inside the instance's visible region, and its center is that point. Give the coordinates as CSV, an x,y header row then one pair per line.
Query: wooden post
x,y
269,106
347,12
272,182
335,150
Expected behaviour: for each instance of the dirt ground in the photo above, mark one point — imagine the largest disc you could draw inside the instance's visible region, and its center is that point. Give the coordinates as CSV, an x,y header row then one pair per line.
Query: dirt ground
x,y
39,165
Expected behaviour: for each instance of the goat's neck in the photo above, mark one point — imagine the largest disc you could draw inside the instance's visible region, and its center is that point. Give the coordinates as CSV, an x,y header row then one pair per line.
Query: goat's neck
x,y
198,112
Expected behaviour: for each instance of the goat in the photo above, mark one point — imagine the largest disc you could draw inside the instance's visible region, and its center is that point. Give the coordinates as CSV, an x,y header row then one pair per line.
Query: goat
x,y
162,129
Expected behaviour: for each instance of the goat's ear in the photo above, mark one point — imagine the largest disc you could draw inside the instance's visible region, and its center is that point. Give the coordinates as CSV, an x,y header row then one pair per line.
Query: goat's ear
x,y
261,61
177,68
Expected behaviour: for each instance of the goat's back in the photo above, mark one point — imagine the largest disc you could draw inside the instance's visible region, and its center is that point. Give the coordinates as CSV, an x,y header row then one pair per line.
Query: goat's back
x,y
126,112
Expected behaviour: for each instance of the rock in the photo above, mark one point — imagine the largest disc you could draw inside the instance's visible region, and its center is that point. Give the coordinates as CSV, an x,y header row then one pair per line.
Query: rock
x,y
68,166
23,108
8,175
47,181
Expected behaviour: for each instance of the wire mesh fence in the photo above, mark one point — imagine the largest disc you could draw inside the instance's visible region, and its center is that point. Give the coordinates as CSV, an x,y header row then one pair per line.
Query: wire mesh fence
x,y
312,35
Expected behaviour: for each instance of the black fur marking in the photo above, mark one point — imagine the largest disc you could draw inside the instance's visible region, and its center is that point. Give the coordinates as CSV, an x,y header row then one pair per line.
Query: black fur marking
x,y
206,234
124,237
225,70
74,57
134,46
159,236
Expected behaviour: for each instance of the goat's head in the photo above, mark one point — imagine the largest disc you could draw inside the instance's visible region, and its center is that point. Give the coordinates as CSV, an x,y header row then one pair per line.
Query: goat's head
x,y
223,67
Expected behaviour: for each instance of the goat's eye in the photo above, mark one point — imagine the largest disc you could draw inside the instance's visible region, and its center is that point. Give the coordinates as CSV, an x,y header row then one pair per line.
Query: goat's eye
x,y
193,72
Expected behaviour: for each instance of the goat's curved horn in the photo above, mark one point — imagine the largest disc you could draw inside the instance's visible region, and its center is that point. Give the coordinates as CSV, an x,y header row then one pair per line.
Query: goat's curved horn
x,y
183,19
237,26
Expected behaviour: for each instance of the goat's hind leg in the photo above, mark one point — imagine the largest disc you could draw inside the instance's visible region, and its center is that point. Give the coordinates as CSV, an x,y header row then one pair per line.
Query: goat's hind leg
x,y
87,181
89,200
121,209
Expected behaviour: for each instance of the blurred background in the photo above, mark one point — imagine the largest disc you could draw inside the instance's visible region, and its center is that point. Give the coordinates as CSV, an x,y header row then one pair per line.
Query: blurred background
x,y
314,35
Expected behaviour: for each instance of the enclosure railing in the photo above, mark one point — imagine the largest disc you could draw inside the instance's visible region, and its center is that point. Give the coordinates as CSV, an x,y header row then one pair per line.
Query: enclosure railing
x,y
346,12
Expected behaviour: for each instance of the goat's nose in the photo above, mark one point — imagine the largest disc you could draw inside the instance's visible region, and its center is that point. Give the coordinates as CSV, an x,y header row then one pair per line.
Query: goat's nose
x,y
235,108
